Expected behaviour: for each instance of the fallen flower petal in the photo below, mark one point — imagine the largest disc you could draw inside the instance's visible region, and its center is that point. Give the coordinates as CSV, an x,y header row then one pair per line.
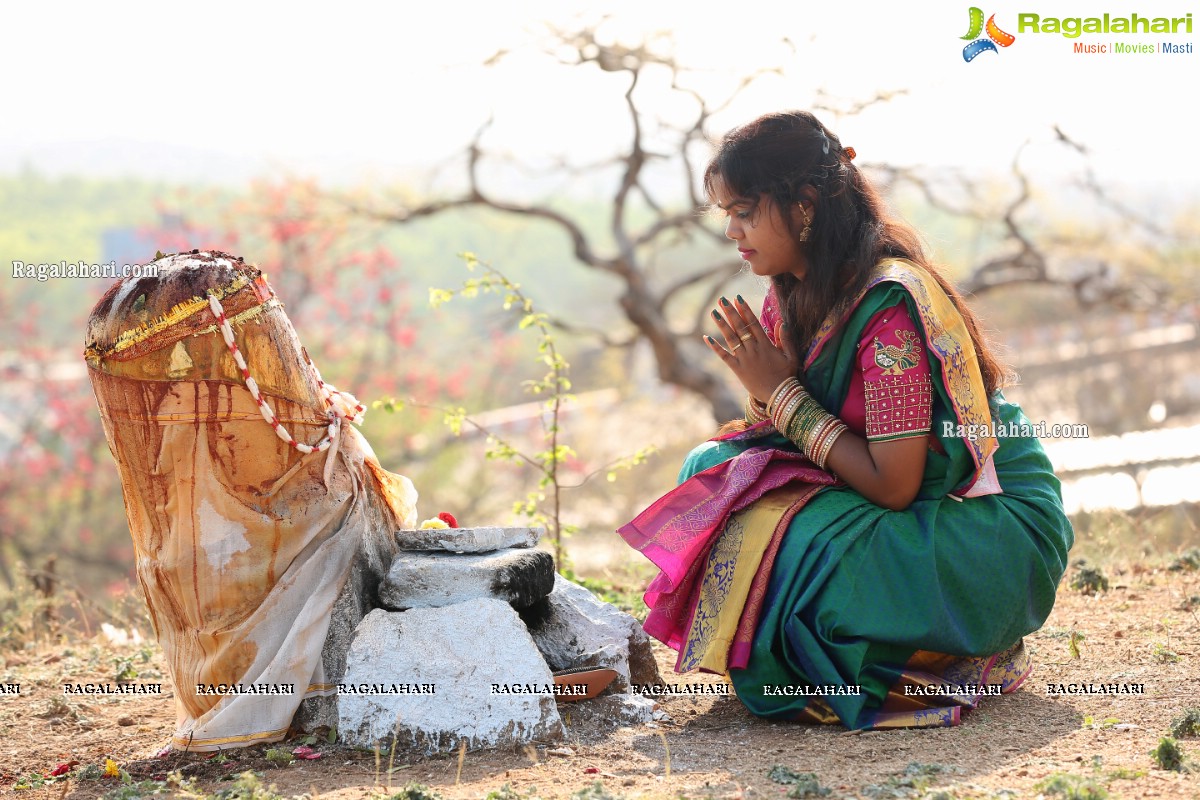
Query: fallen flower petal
x,y
62,769
448,518
307,753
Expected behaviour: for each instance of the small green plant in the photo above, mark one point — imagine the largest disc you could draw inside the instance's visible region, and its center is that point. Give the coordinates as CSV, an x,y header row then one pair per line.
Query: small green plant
x,y
1090,722
1169,756
246,786
1072,787
595,792
415,791
1162,650
1073,643
1165,654
804,784
123,670
34,780
90,772
1088,579
914,781
782,774
61,708
1187,724
1187,560
279,757
136,791
627,596
507,792
543,504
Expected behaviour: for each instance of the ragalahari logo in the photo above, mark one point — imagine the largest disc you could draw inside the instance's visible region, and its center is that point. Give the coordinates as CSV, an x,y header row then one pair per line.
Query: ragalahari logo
x,y
995,36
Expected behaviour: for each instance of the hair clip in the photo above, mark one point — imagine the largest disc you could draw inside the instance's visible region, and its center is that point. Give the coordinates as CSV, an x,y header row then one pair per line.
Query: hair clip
x,y
850,154
824,142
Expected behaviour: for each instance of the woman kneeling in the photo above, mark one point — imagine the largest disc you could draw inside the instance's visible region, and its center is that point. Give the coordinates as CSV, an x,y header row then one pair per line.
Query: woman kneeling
x,y
862,548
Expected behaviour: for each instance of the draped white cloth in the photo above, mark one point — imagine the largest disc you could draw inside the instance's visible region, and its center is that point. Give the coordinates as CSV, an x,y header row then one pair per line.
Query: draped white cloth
x,y
243,544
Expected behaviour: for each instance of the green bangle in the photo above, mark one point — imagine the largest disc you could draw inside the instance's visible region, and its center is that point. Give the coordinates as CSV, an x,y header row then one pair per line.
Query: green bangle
x,y
807,422
785,418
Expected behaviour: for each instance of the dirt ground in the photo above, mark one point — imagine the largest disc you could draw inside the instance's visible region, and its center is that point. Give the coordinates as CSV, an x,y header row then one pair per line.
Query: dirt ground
x,y
1145,629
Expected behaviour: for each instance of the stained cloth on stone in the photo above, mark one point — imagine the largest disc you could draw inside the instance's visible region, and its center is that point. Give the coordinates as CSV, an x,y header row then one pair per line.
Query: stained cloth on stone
x,y
243,544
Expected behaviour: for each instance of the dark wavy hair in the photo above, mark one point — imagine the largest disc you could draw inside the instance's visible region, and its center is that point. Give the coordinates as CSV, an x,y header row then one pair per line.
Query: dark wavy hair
x,y
777,156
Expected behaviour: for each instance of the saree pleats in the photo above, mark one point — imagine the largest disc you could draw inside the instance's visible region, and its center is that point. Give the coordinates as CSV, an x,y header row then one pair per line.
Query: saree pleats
x,y
867,588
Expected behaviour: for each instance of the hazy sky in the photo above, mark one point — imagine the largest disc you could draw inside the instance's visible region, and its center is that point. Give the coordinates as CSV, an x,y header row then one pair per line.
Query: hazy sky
x,y
381,87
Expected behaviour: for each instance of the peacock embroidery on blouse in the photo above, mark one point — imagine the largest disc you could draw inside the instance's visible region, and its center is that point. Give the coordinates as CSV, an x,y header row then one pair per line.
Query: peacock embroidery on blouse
x,y
891,359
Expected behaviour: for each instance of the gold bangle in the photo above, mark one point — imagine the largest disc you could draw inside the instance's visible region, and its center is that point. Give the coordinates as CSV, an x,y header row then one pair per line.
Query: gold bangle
x,y
785,401
755,411
835,432
820,432
786,383
818,440
785,415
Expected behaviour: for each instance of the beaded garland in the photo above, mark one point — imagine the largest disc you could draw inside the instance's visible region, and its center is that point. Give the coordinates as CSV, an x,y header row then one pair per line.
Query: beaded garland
x,y
341,405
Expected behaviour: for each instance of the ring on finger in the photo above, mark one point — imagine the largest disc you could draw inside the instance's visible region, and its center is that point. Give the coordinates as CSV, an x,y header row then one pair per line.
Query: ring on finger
x,y
735,347
747,336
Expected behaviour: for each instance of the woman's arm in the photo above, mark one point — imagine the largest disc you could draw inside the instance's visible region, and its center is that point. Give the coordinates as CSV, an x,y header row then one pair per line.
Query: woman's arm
x,y
888,474
888,464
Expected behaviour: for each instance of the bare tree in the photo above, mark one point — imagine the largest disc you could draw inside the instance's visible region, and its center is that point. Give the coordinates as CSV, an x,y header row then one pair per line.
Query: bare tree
x,y
655,310
670,315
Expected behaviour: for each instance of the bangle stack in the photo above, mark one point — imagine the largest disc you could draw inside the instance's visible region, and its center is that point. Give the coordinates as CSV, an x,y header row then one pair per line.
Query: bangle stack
x,y
799,417
756,412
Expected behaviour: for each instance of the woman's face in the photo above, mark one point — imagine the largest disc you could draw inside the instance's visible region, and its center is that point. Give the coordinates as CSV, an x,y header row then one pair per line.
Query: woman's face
x,y
762,237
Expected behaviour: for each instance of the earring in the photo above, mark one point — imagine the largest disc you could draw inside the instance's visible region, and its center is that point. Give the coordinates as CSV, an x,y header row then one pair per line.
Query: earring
x,y
806,231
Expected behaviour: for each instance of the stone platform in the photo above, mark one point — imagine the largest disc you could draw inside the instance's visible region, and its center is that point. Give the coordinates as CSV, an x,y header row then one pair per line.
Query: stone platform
x,y
474,623
518,576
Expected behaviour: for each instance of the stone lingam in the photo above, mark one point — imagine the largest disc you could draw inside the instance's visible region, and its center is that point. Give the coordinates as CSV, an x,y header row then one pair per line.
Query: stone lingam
x,y
286,579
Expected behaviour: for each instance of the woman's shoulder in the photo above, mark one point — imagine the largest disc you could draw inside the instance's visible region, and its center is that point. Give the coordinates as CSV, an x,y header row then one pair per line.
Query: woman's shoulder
x,y
908,274
897,280
892,282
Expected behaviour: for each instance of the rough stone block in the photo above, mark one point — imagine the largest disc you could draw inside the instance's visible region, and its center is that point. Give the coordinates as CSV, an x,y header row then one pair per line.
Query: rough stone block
x,y
461,651
357,598
574,628
519,577
468,540
607,712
